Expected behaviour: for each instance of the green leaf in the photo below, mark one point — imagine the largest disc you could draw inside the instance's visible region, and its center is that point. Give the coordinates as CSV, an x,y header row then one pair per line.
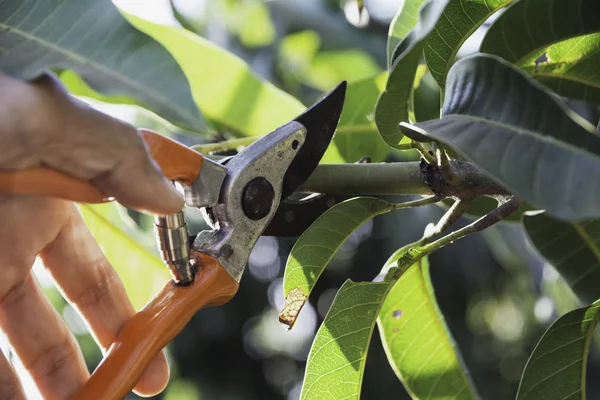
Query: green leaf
x,y
317,246
557,366
530,25
393,104
521,135
357,135
337,357
417,342
222,84
142,273
225,88
404,20
328,68
571,69
460,19
572,248
253,24
93,39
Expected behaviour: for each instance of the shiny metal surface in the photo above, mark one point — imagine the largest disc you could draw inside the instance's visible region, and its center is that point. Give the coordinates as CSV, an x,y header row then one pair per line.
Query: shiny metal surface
x,y
204,192
235,234
174,246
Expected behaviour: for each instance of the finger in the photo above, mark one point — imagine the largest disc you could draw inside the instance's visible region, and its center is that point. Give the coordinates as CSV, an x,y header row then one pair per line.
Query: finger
x,y
93,287
10,386
42,341
62,132
137,182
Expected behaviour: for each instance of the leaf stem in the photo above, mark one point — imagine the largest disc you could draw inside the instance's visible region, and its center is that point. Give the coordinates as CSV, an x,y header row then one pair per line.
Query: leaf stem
x,y
424,152
443,162
226,145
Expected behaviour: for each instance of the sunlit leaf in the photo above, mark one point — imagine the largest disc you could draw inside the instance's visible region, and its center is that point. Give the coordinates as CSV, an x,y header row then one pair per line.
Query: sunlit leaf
x,y
93,39
417,342
319,243
223,84
529,25
572,248
142,273
521,135
224,87
253,25
404,20
556,368
295,54
357,135
393,104
328,68
460,19
336,361
570,68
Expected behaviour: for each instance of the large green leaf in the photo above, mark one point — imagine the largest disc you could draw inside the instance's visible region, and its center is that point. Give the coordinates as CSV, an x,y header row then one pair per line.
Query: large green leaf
x,y
460,19
317,246
142,273
572,248
93,39
393,104
404,20
357,135
337,358
222,83
225,88
417,342
571,69
529,25
557,366
521,135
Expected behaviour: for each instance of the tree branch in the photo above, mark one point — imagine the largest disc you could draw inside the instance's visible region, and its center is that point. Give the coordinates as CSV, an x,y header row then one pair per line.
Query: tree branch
x,y
403,178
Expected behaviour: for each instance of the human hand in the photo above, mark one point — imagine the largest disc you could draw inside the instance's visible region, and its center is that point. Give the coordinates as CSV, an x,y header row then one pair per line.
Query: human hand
x,y
40,124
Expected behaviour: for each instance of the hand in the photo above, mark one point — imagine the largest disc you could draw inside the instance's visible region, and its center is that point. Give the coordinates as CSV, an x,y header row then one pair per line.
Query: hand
x,y
40,124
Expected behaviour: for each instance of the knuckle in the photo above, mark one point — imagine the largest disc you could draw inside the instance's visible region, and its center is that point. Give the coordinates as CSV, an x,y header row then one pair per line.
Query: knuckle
x,y
100,290
50,362
14,293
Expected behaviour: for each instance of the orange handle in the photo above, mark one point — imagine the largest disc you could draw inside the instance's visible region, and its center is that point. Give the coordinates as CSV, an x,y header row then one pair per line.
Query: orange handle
x,y
178,163
153,327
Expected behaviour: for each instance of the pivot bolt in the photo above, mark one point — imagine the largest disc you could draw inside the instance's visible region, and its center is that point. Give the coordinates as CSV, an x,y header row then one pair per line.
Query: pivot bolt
x,y
257,198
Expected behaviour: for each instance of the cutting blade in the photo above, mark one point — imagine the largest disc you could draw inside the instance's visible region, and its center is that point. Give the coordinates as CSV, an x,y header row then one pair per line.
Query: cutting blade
x,y
320,121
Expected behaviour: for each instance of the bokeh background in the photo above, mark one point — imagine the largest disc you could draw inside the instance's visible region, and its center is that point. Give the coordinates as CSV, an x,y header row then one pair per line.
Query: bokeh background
x,y
498,297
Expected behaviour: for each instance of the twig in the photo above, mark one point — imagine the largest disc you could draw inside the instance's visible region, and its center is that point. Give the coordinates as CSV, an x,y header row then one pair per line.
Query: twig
x,y
418,203
484,222
448,219
415,253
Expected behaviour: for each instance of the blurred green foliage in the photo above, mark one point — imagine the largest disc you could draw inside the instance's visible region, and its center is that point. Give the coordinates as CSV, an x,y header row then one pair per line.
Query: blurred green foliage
x,y
253,66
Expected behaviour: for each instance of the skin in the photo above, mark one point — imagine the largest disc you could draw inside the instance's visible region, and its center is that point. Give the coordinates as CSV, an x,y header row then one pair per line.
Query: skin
x,y
40,124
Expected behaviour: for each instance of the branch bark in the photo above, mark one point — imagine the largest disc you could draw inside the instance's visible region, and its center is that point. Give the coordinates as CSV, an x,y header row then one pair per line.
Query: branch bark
x,y
403,178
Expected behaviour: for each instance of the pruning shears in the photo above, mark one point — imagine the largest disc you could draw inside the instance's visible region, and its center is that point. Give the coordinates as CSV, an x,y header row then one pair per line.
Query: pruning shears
x,y
242,198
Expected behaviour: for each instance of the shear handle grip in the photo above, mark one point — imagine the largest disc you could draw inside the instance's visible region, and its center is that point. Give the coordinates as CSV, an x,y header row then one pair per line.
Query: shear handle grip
x,y
153,327
178,163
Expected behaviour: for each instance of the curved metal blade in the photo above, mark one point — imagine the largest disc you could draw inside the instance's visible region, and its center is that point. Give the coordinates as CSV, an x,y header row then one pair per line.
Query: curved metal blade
x,y
320,121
